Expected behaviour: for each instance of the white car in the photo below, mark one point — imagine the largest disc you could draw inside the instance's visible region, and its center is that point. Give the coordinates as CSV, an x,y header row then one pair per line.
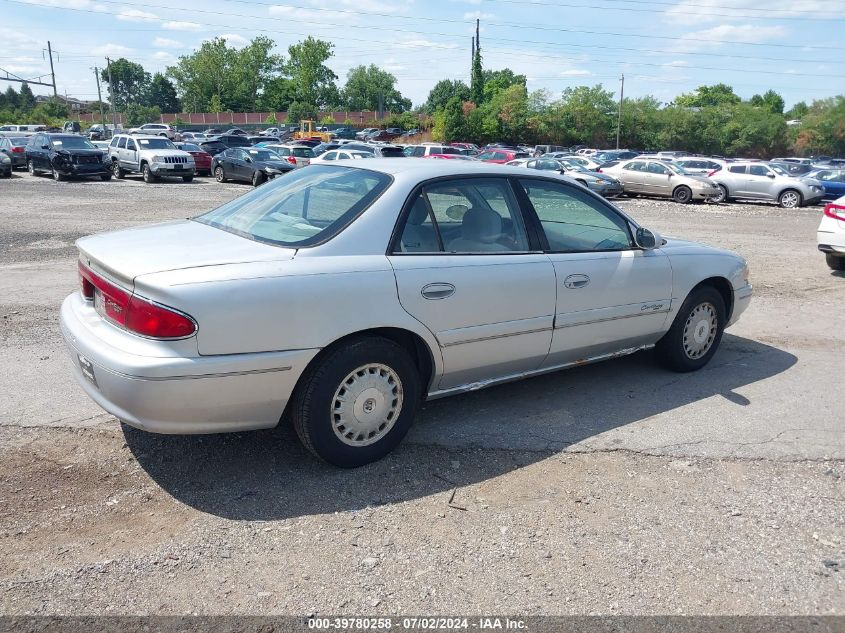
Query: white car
x,y
831,234
342,296
296,155
340,154
155,129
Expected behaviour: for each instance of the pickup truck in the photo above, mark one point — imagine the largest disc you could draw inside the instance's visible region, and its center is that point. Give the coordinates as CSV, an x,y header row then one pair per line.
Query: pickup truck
x,y
150,156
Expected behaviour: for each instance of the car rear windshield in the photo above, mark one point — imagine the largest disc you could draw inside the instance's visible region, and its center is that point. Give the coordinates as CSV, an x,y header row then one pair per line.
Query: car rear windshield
x,y
155,143
306,207
19,140
302,152
392,152
190,147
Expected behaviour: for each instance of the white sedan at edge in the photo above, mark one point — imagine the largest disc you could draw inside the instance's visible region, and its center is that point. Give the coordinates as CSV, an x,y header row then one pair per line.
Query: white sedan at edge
x,y
831,234
343,296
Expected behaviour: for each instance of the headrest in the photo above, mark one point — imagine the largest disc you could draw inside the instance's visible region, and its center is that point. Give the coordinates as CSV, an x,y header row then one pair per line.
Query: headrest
x,y
481,225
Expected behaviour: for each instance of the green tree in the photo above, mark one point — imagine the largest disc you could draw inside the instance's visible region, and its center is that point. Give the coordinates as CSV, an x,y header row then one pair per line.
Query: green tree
x,y
236,77
443,91
477,78
716,95
313,81
823,128
770,100
588,114
135,114
496,81
129,83
10,98
798,111
367,86
299,111
277,95
26,100
162,93
454,126
54,108
271,119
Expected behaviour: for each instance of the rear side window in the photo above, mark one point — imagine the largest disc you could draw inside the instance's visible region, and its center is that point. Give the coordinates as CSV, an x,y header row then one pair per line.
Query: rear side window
x,y
304,208
634,166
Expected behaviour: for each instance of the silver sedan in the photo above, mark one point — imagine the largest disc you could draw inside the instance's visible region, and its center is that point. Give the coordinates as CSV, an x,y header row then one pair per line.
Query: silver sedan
x,y
346,295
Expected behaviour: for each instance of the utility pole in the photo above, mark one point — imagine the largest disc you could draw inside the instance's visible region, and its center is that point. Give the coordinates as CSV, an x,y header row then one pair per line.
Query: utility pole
x,y
100,100
52,72
619,118
111,90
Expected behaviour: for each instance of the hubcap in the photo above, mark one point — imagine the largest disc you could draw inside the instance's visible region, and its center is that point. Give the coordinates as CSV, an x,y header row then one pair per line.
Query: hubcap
x,y
366,405
790,199
700,330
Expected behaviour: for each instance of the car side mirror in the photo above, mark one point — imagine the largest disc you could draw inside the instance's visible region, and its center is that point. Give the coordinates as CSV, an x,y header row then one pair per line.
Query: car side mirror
x,y
770,175
45,147
646,240
248,159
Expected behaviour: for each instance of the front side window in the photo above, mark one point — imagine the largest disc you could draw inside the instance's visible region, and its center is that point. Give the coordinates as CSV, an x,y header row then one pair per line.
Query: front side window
x,y
122,143
474,215
330,155
304,208
573,221
759,170
130,144
657,168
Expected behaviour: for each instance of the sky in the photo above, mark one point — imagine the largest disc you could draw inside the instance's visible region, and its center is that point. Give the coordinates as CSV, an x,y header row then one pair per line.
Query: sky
x,y
663,47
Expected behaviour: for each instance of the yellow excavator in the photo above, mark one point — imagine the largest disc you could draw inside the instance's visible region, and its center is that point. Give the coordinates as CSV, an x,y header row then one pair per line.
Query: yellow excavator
x,y
306,130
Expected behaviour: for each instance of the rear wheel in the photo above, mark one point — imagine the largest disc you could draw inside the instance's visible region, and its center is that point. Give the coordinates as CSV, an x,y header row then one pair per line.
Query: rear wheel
x,y
696,332
682,194
117,171
219,174
105,177
722,196
356,403
790,199
30,167
836,262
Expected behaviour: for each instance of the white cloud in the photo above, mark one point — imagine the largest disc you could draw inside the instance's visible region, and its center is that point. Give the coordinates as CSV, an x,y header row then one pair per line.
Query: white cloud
x,y
163,42
111,50
68,4
677,63
235,40
478,15
697,11
715,36
134,15
425,44
164,57
575,72
181,26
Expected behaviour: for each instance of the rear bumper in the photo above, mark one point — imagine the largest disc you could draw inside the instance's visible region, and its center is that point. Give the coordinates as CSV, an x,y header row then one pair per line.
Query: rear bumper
x,y
173,394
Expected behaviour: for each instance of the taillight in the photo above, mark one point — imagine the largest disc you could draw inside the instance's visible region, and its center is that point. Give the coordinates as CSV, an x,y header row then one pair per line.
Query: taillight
x,y
712,173
292,160
835,211
133,312
18,150
598,169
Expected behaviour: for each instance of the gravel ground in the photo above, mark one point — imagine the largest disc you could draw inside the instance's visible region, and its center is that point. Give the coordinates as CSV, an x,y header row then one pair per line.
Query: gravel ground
x,y
616,488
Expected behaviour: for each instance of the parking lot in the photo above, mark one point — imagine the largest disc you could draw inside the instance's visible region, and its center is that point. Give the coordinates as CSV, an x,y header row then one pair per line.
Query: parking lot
x,y
612,488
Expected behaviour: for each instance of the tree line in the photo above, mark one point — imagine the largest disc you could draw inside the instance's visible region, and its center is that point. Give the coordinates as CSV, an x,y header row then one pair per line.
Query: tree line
x,y
496,106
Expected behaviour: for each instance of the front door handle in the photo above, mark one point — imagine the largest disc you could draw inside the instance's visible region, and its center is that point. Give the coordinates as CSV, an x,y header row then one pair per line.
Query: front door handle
x,y
576,281
437,291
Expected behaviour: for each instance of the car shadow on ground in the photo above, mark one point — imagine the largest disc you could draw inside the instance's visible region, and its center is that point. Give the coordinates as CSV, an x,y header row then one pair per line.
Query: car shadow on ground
x,y
455,442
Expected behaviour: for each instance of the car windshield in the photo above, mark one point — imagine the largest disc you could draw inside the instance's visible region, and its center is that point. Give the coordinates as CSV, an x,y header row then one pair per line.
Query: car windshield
x,y
263,154
155,143
778,170
303,208
72,142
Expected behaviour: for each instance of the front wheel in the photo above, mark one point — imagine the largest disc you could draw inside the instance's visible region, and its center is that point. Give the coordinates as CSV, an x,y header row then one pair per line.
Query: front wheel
x,y
57,175
836,262
790,199
30,167
148,174
356,403
117,171
219,174
257,178
696,332
187,178
682,194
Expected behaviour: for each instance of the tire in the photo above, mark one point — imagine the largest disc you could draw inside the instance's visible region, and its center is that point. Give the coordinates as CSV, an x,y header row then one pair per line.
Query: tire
x,y
149,176
836,262
117,171
723,195
257,178
187,178
695,333
682,195
30,167
58,176
318,414
790,199
219,174
581,182
105,177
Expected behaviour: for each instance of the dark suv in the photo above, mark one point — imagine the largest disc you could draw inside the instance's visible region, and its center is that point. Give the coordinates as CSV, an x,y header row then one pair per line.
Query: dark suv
x,y
65,155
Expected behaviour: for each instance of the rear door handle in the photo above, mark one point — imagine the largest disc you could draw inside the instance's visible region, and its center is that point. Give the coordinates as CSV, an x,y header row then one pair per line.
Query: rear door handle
x,y
576,281
437,291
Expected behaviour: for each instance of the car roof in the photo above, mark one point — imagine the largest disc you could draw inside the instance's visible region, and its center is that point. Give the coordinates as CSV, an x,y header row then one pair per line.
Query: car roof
x,y
424,168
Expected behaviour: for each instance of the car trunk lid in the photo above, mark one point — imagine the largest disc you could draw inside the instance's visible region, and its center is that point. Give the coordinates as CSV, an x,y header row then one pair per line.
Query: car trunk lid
x,y
129,253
